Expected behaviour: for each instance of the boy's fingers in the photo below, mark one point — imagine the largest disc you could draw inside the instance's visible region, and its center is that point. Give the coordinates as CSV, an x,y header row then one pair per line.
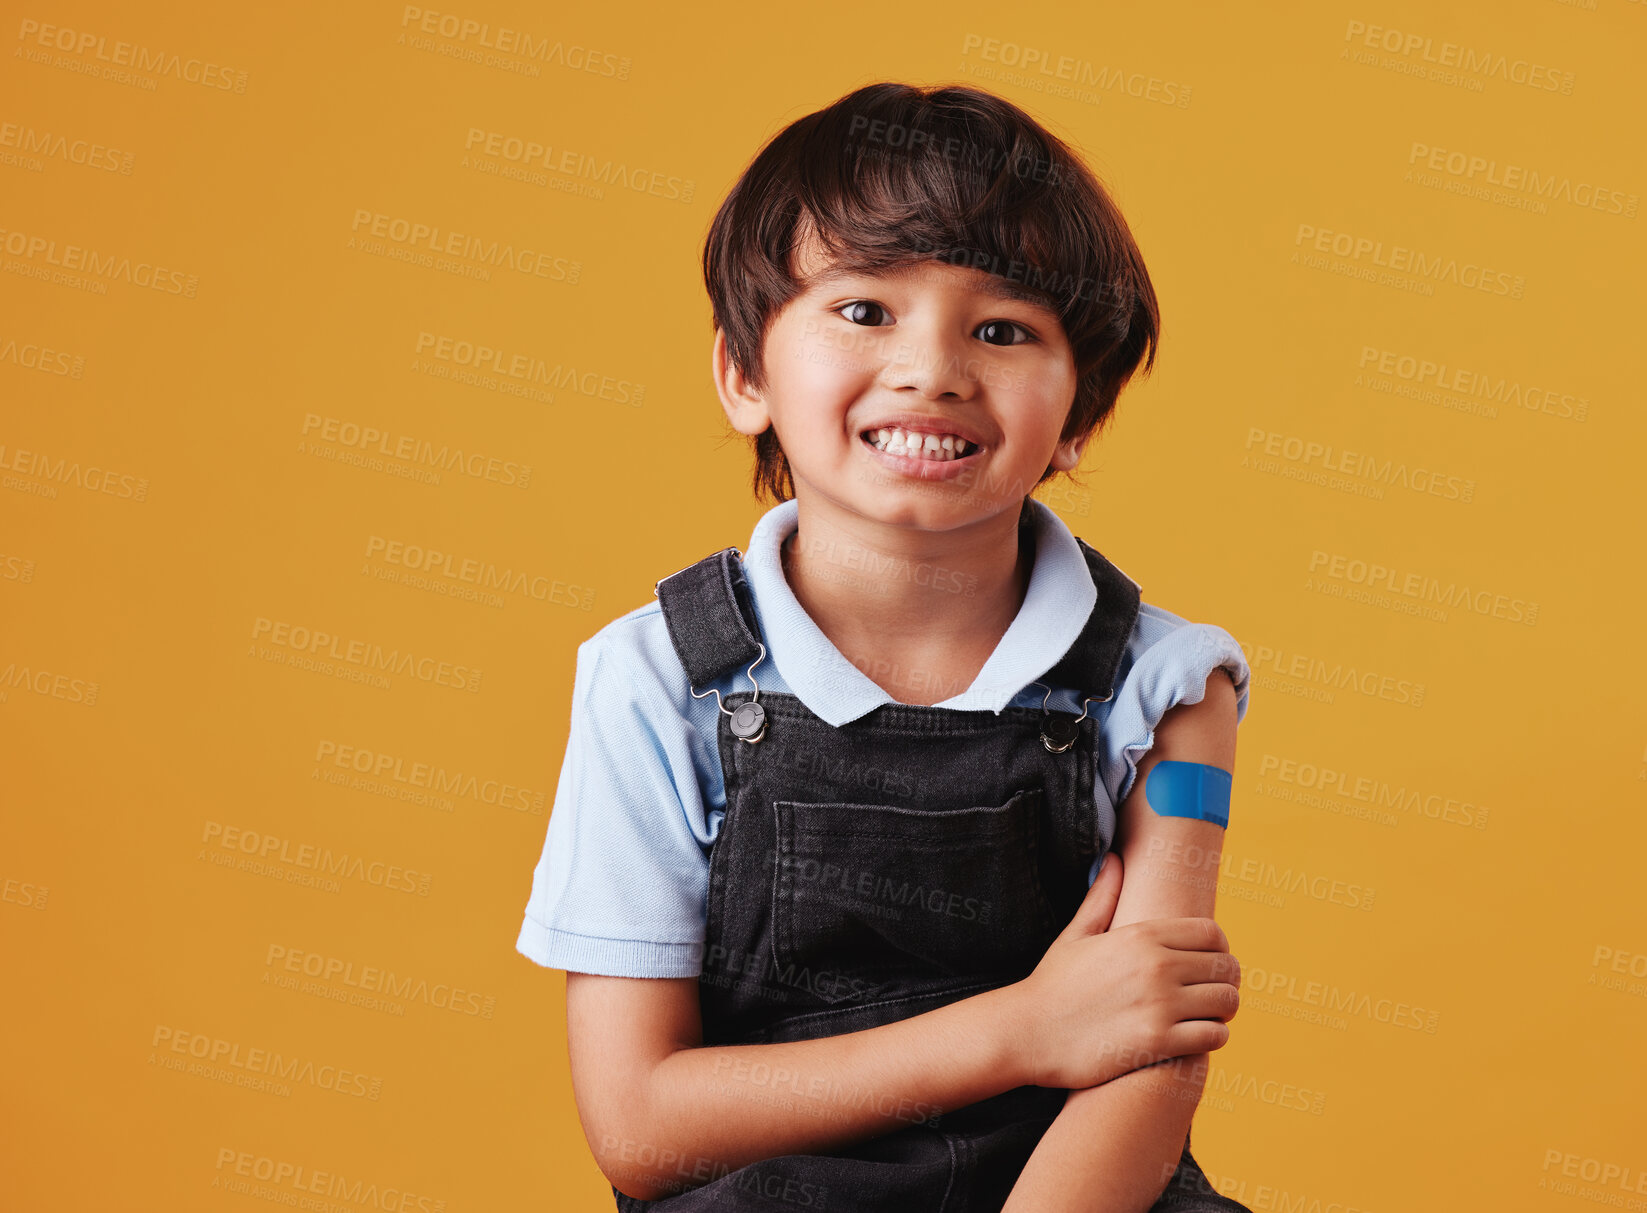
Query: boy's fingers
x,y
1189,934
1211,1000
1198,968
1095,912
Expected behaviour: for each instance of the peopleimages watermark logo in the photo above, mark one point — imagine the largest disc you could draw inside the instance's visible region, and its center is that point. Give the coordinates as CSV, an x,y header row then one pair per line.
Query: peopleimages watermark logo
x,y
502,47
460,576
109,60
1366,257
23,894
1462,389
307,1187
1476,176
462,355
22,676
1414,592
34,147
304,862
1361,473
68,472
325,652
535,162
433,247
238,1064
403,777
1059,75
33,356
410,456
371,987
878,894
1414,54
1365,795
89,269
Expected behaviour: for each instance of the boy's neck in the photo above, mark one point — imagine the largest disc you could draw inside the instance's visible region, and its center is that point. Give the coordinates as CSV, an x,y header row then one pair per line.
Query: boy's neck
x,y
919,612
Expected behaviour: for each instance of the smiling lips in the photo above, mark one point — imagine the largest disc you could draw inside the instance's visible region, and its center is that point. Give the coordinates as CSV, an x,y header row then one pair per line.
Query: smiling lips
x,y
938,448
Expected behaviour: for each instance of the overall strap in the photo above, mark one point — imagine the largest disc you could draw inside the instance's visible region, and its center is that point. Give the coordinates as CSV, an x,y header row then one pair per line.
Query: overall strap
x,y
711,620
1094,660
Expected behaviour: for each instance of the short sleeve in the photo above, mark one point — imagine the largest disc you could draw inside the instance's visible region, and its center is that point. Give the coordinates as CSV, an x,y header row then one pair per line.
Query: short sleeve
x,y
1169,661
621,886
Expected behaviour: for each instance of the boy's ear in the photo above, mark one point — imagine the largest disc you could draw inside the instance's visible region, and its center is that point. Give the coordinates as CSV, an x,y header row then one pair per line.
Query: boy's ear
x,y
745,407
1067,456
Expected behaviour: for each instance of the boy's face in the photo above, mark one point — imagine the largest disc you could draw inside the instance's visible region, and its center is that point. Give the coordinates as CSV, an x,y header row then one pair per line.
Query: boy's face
x,y
931,349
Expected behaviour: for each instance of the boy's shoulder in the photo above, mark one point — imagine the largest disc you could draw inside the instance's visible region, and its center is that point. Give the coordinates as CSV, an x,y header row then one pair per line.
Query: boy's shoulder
x,y
634,633
636,658
638,642
1155,622
1167,650
1156,626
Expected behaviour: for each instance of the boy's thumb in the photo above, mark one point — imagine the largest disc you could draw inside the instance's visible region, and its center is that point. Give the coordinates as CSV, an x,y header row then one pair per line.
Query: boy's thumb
x,y
1098,908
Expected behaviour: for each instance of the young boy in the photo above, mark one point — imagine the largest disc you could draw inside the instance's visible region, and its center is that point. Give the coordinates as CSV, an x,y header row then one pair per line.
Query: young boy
x,y
828,867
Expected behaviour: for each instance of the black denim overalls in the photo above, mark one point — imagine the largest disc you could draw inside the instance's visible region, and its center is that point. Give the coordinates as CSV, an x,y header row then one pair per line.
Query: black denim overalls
x,y
871,872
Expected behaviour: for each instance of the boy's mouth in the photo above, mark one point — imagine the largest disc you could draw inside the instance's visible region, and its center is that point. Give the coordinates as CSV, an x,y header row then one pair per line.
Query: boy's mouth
x,y
914,444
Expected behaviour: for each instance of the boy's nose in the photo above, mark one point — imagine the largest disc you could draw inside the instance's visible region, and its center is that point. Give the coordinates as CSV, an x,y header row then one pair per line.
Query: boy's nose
x,y
931,363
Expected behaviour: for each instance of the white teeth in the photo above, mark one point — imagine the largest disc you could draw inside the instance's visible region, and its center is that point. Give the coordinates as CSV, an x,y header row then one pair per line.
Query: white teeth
x,y
937,447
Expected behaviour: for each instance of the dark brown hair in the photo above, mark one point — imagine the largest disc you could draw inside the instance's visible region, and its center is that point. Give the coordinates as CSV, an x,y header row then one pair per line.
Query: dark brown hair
x,y
894,173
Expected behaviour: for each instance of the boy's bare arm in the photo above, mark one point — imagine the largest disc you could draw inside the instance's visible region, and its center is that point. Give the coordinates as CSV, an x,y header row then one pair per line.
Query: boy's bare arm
x,y
1115,1146
663,1113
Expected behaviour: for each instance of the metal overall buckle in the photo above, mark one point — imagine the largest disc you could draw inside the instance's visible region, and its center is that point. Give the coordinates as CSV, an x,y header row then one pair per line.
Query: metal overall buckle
x,y
1059,730
748,719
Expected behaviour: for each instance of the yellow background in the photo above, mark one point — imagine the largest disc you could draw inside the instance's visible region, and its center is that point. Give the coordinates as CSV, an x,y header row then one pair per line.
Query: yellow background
x,y
1497,897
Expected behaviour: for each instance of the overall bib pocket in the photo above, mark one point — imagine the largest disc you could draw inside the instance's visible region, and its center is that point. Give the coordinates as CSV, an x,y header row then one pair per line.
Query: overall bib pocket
x,y
897,899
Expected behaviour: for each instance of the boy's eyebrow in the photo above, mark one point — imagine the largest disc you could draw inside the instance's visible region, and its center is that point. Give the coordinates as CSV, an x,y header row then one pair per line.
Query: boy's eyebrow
x,y
995,286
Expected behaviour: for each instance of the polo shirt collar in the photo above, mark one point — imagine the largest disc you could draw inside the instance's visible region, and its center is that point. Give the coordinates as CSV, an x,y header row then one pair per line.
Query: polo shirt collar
x,y
1056,606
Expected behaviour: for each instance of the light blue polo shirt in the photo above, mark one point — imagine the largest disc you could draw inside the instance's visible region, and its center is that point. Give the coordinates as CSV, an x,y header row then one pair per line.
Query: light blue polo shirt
x,y
622,885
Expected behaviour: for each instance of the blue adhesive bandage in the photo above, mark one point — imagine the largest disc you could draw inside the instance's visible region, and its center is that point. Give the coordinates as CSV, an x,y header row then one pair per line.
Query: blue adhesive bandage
x,y
1190,789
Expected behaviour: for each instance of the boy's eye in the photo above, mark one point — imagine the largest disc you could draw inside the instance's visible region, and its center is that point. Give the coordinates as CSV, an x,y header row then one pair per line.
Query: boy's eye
x,y
1005,326
848,311
857,317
